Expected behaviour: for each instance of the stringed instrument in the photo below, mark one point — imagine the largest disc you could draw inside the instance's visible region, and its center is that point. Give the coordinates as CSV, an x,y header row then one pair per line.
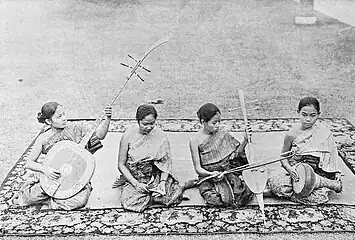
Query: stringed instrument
x,y
255,178
75,164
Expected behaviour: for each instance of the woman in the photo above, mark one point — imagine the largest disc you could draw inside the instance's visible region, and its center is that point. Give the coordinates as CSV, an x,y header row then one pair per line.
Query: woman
x,y
214,151
53,115
145,163
313,144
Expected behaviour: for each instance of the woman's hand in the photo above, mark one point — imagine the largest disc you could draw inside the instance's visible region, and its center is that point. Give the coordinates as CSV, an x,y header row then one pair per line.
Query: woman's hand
x,y
247,132
338,176
118,182
141,187
293,173
52,173
161,187
108,111
218,176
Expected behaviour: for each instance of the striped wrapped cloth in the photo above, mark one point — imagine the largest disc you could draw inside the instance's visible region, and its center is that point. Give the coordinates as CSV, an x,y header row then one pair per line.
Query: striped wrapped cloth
x,y
217,147
73,132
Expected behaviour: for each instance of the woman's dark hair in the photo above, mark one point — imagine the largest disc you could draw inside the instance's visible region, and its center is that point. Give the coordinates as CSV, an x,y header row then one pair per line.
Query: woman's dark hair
x,y
145,110
207,111
47,111
309,101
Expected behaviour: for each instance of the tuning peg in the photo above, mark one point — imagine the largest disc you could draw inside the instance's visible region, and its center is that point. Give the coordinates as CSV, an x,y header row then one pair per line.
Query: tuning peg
x,y
140,77
123,64
137,61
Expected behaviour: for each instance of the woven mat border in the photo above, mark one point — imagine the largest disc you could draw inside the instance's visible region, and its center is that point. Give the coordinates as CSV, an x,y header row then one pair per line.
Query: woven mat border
x,y
31,221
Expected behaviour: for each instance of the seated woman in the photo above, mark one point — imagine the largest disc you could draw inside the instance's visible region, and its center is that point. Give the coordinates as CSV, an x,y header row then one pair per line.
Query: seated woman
x,y
145,162
313,144
213,151
53,115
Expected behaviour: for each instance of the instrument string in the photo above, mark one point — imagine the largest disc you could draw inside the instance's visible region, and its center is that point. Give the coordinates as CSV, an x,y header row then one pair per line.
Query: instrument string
x,y
250,166
259,195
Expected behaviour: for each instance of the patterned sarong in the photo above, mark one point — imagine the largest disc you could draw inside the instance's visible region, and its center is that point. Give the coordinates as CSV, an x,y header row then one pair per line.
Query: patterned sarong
x,y
218,153
146,160
317,148
31,192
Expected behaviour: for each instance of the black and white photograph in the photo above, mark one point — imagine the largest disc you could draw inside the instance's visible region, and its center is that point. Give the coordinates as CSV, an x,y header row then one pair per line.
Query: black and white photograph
x,y
177,119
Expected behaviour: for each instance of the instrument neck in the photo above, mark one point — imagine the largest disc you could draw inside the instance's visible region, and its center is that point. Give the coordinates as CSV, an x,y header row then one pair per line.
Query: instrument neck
x,y
91,132
245,118
249,151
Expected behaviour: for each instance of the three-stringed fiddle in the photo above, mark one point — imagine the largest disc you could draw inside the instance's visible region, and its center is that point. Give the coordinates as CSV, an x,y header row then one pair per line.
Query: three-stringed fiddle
x,y
75,164
255,178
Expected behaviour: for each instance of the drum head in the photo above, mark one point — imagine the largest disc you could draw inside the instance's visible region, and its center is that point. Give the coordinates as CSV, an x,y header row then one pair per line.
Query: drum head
x,y
76,166
307,180
299,185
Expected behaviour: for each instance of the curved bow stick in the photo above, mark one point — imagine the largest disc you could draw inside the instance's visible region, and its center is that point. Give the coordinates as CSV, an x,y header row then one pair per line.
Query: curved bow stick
x,y
250,166
255,178
129,76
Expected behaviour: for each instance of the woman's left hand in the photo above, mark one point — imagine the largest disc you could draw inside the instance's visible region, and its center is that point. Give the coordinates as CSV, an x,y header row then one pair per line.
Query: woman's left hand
x,y
338,176
108,111
161,187
247,132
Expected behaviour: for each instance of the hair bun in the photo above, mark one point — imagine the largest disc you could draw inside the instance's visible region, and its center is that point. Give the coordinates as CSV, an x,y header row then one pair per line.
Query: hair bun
x,y
40,117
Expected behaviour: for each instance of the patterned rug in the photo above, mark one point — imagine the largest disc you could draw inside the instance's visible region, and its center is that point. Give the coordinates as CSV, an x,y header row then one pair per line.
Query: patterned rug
x,y
31,221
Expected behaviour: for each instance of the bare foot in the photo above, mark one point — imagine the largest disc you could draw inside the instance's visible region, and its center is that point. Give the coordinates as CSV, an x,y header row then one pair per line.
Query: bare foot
x,y
267,192
185,197
15,200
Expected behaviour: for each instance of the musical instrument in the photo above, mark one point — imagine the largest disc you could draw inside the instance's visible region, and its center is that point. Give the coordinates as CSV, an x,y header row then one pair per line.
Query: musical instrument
x,y
306,182
249,166
75,164
255,178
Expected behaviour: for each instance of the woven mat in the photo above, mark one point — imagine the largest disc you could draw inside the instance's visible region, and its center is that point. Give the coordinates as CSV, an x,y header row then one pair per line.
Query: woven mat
x,y
188,219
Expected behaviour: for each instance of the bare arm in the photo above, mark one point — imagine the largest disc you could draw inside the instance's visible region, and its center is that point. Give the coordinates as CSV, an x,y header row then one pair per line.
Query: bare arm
x,y
102,129
122,158
196,160
34,155
164,176
285,148
33,165
242,145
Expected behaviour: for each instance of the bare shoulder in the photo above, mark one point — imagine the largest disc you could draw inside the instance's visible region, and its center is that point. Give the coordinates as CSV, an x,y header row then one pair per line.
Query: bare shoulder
x,y
129,133
295,130
159,132
197,138
323,127
291,135
223,130
42,138
130,130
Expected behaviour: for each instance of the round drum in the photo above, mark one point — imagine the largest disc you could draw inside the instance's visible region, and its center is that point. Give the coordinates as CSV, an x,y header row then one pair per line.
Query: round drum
x,y
306,182
76,166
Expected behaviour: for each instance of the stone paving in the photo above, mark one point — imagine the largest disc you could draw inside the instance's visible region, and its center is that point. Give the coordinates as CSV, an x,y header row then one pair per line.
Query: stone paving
x,y
31,221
